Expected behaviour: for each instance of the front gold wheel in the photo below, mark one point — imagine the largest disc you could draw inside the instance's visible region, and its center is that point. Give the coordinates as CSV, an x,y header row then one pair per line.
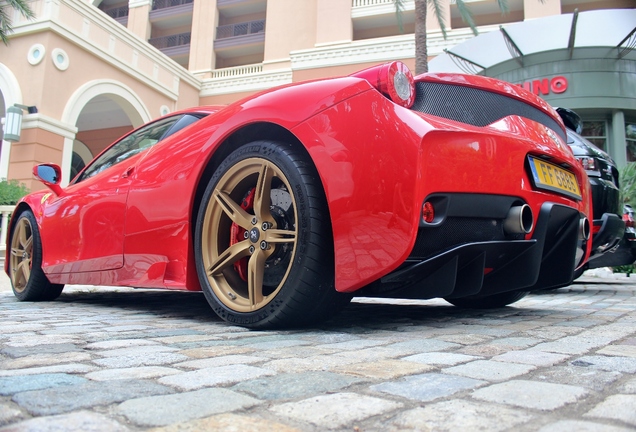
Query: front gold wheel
x,y
21,252
25,262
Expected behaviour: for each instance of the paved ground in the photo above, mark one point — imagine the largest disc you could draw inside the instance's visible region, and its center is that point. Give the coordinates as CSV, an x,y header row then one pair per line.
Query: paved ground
x,y
117,360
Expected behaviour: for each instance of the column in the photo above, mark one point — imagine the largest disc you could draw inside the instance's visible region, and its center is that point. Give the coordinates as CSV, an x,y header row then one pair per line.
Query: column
x,y
284,35
205,20
617,143
139,18
539,9
333,22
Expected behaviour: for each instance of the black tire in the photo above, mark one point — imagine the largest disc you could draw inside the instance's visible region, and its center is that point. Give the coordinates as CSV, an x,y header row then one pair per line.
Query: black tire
x,y
28,281
263,243
488,302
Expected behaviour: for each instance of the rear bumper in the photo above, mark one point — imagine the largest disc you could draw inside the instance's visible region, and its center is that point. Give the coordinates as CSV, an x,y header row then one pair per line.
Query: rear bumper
x,y
483,268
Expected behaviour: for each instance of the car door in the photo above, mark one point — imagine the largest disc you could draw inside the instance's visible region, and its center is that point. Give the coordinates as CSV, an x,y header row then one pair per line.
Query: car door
x,y
83,230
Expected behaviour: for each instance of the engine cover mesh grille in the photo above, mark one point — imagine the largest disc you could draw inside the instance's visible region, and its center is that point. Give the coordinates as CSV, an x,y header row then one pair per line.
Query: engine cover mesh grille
x,y
475,106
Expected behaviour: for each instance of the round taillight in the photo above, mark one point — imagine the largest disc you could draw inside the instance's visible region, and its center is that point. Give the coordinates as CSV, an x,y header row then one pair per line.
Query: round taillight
x,y
428,212
396,81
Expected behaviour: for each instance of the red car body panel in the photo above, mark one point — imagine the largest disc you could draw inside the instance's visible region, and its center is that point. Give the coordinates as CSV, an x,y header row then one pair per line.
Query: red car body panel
x,y
131,225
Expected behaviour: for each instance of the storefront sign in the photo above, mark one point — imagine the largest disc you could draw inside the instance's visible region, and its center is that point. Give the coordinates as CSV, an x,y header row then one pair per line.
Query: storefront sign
x,y
545,86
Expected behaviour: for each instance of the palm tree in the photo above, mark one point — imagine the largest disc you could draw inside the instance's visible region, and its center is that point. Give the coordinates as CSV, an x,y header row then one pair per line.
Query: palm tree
x,y
421,10
7,6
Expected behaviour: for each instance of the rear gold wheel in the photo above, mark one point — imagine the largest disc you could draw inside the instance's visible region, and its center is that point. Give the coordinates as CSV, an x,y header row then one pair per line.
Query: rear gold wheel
x,y
263,249
263,244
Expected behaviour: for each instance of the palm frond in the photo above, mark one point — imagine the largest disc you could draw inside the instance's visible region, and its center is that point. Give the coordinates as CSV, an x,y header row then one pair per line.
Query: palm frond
x,y
467,15
399,10
503,6
437,8
5,20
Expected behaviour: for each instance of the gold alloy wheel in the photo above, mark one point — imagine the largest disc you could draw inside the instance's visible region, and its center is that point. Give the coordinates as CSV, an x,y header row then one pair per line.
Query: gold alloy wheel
x,y
269,237
21,254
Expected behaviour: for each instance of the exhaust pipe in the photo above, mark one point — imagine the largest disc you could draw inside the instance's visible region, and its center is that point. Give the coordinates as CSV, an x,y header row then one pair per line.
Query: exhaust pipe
x,y
519,220
584,229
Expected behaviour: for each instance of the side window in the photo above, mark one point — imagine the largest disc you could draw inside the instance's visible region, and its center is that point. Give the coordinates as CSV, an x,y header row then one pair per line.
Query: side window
x,y
138,141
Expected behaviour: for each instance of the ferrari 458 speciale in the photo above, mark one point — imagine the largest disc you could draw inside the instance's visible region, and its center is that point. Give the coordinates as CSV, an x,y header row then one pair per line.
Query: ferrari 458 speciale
x,y
284,205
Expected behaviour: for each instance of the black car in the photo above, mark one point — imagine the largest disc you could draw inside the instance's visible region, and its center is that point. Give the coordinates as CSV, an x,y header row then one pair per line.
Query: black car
x,y
625,253
609,227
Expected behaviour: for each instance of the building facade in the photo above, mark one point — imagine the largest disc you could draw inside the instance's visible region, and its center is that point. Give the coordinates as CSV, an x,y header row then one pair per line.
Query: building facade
x,y
91,70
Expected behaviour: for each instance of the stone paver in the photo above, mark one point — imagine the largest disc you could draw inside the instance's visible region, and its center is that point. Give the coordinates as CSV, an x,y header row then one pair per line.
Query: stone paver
x,y
460,415
489,370
181,407
617,407
531,394
427,387
117,359
76,421
332,411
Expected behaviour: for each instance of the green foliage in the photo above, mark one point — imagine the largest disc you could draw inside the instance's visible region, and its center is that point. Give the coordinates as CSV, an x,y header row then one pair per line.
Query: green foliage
x,y
5,19
11,191
627,269
628,192
628,183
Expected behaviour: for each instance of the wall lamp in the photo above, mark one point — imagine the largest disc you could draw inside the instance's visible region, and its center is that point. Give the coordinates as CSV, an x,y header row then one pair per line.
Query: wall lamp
x,y
13,121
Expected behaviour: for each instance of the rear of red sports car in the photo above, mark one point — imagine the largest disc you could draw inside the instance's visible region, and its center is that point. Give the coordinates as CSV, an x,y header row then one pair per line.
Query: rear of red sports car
x,y
284,205
465,190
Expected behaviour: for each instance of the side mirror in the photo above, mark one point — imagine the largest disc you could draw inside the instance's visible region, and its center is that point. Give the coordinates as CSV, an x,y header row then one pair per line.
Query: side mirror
x,y
50,175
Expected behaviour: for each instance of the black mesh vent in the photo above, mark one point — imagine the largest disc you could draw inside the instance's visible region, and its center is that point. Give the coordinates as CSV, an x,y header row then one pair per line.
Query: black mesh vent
x,y
456,231
475,106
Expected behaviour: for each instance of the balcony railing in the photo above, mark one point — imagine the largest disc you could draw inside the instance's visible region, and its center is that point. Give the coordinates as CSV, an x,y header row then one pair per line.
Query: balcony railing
x,y
240,29
171,41
237,71
162,4
119,12
362,3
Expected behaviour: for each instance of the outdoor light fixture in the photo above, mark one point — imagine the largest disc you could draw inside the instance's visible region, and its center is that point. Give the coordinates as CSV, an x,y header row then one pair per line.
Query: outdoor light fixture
x,y
13,121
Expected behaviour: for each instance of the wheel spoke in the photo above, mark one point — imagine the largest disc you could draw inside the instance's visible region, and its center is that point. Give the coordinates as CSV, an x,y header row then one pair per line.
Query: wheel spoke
x,y
255,270
22,233
16,252
229,257
281,236
23,268
262,197
232,209
28,246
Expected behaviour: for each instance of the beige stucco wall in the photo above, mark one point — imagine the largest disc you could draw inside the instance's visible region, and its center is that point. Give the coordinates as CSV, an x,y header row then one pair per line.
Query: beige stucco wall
x,y
138,23
285,34
36,146
333,21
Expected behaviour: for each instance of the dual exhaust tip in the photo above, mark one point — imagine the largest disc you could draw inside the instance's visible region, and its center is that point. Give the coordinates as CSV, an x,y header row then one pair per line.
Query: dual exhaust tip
x,y
521,221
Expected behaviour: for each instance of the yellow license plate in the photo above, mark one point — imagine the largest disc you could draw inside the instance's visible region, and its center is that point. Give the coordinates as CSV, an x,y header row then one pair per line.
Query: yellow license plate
x,y
551,177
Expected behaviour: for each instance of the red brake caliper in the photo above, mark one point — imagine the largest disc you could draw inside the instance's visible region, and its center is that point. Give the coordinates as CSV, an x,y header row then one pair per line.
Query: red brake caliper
x,y
237,234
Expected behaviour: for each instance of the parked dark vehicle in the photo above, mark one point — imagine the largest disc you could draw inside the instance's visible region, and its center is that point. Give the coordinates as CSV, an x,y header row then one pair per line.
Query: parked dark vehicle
x,y
609,227
625,253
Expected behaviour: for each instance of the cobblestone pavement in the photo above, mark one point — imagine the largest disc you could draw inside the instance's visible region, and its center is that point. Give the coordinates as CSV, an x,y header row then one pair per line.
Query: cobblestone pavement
x,y
103,359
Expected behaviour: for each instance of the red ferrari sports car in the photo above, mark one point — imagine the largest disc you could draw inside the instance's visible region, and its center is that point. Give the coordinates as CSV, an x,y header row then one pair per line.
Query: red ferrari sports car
x,y
284,205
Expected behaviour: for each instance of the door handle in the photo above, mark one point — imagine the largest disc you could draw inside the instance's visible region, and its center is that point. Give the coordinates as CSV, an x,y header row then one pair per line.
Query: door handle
x,y
128,171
